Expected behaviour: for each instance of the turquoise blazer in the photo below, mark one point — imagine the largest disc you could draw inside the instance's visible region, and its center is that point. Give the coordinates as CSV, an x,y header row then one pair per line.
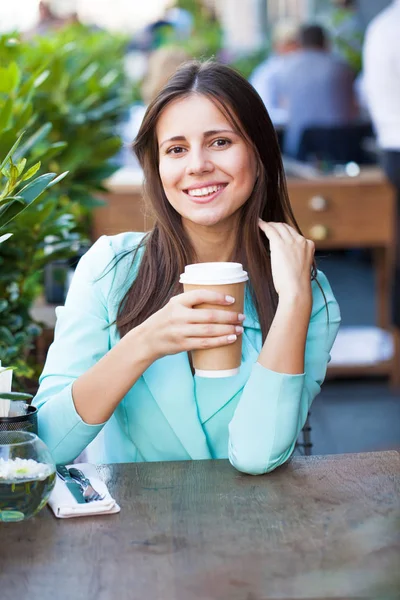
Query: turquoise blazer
x,y
253,418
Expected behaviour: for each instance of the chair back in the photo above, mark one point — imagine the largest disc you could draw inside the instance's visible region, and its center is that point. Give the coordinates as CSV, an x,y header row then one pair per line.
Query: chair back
x,y
336,144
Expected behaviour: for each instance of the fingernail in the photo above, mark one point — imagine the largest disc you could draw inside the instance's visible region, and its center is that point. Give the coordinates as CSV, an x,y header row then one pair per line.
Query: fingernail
x,y
230,299
232,338
238,329
241,317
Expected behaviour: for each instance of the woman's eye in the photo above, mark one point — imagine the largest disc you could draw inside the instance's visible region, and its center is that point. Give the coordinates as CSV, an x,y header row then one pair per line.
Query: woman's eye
x,y
221,143
175,150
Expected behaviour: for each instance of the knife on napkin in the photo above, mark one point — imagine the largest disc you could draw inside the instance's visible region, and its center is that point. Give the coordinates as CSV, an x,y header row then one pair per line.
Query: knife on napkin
x,y
71,484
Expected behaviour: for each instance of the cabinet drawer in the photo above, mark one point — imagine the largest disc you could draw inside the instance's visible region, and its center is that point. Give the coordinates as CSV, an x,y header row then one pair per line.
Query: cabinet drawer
x,y
347,215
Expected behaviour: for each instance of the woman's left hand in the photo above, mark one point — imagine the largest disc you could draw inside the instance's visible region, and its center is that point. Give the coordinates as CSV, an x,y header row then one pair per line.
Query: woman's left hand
x,y
291,259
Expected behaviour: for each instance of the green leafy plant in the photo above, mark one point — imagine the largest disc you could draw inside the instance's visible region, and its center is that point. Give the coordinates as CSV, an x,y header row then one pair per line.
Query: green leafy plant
x,y
65,95
81,96
20,190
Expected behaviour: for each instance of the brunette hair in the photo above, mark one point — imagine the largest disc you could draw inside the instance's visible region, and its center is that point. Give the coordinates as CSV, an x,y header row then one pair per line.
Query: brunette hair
x,y
167,248
313,37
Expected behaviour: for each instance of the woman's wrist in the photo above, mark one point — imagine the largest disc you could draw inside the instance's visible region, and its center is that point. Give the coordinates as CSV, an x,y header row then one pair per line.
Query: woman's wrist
x,y
141,348
298,296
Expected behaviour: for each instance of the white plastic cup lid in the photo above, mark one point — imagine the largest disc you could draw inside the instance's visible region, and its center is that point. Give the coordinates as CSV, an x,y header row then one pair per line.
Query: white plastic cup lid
x,y
213,273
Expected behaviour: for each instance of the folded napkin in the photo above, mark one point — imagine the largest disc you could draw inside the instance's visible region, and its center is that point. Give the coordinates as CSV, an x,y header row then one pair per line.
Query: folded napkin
x,y
64,505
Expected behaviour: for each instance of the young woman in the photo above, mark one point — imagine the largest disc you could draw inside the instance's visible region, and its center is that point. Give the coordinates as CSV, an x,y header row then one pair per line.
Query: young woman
x,y
120,362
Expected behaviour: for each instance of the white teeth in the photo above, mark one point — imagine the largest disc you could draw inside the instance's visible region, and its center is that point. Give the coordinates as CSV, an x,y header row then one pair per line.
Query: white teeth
x,y
205,191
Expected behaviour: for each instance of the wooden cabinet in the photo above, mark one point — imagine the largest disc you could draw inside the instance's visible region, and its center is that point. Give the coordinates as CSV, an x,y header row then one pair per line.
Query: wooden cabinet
x,y
344,213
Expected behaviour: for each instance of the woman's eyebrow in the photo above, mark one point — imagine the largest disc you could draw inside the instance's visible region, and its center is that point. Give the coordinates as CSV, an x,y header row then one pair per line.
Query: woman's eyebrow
x,y
181,138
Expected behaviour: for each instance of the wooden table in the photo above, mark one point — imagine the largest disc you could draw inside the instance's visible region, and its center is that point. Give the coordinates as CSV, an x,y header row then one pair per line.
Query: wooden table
x,y
318,527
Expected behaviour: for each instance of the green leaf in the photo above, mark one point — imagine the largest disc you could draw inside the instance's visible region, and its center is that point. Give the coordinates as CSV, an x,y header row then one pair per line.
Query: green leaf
x,y
5,237
51,151
33,140
9,78
14,174
6,83
11,152
5,114
11,199
90,70
15,75
32,171
90,202
109,78
6,336
41,79
21,166
58,179
8,212
25,117
4,303
31,191
15,396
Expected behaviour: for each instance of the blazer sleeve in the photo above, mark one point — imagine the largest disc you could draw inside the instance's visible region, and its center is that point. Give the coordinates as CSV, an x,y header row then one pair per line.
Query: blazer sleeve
x,y
81,339
274,406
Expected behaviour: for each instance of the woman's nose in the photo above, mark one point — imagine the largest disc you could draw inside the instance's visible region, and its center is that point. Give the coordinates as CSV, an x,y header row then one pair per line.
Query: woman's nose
x,y
199,162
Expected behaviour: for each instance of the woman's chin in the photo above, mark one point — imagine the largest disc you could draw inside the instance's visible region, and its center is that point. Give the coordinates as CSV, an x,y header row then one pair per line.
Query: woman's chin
x,y
205,220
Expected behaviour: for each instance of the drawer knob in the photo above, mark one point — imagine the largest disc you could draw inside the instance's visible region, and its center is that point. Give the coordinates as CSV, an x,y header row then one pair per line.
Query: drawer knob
x,y
318,232
318,203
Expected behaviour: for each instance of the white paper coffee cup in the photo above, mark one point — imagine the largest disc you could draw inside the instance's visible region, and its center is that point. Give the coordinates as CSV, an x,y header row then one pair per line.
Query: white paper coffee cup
x,y
230,279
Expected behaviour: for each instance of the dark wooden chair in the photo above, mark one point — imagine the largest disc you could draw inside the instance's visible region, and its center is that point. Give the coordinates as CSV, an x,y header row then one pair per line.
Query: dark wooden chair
x,y
336,144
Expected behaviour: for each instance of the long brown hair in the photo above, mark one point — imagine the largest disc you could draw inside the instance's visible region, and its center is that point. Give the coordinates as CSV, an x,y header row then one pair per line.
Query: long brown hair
x,y
167,248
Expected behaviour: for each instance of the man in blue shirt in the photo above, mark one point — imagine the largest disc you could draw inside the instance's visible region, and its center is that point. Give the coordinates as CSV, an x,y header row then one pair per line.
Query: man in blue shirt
x,y
316,87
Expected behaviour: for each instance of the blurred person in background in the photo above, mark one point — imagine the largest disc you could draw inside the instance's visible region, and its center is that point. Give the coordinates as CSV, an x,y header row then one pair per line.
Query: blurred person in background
x,y
316,87
53,16
265,78
381,58
162,63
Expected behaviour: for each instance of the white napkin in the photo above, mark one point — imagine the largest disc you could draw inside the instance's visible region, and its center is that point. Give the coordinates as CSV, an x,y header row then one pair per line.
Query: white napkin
x,y
64,505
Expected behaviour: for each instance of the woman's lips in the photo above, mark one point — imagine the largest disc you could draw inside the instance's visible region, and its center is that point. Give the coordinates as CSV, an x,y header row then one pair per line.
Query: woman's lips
x,y
206,199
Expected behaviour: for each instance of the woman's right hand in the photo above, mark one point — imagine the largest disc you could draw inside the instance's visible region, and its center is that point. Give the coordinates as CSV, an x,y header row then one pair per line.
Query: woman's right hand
x,y
179,327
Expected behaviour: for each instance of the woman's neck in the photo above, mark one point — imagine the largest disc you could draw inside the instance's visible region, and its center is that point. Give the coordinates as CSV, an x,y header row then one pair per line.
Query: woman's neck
x,y
212,244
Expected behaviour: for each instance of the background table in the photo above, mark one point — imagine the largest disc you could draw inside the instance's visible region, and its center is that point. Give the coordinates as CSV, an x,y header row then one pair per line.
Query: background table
x,y
319,527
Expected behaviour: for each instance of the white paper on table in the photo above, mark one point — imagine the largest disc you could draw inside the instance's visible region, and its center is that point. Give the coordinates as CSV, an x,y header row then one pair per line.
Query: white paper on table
x,y
64,505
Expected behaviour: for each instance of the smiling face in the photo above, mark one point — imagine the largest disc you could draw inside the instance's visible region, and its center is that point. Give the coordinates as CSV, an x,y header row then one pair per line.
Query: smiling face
x,y
206,167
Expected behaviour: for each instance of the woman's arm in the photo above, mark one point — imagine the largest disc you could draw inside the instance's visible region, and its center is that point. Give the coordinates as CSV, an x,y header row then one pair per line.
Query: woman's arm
x,y
283,350
274,404
110,379
292,363
291,260
81,344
